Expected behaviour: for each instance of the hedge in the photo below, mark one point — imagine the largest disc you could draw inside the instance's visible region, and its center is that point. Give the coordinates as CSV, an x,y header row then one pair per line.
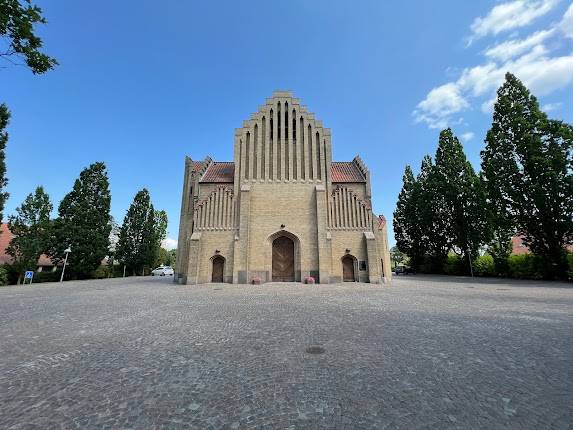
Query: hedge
x,y
484,265
525,266
521,266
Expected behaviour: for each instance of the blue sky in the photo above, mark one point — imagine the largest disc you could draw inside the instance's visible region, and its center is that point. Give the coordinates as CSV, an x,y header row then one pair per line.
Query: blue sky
x,y
141,84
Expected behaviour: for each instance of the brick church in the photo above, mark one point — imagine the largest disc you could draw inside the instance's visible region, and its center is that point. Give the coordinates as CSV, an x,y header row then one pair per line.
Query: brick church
x,y
282,211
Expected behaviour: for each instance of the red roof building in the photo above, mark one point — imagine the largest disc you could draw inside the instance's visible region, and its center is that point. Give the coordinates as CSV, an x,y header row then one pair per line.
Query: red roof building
x,y
518,247
5,239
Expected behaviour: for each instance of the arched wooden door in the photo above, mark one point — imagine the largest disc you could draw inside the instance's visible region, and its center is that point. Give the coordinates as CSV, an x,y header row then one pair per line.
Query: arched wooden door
x,y
283,259
348,269
218,269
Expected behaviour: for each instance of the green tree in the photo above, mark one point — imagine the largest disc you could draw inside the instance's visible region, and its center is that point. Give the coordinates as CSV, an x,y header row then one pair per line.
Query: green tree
x,y
137,247
527,168
165,257
83,223
4,120
397,257
113,239
432,217
463,201
160,229
407,228
30,229
172,257
17,21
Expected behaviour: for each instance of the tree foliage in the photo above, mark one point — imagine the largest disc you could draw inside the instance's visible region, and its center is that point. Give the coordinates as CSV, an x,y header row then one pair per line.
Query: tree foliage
x,y
442,209
141,234
398,257
528,173
17,21
462,209
165,257
407,222
30,229
406,230
83,223
4,120
432,217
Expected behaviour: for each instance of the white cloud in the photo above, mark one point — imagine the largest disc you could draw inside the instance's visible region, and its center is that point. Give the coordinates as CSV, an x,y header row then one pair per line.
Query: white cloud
x,y
466,137
169,243
529,59
512,48
510,15
440,103
487,106
548,107
566,24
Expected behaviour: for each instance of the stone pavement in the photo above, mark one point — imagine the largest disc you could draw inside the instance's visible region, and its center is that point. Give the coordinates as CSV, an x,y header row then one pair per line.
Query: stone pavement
x,y
428,352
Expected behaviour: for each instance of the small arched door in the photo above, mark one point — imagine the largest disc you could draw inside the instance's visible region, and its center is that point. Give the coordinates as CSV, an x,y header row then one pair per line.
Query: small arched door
x,y
348,269
283,259
218,269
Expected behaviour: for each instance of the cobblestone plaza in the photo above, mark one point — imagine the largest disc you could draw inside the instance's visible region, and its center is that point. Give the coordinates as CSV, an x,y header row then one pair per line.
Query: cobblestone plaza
x,y
427,352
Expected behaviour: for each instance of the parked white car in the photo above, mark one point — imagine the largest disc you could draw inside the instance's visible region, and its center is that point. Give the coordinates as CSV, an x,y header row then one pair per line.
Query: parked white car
x,y
162,271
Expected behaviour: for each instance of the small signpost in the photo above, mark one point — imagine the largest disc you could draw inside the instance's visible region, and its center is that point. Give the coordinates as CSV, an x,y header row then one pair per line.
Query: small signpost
x,y
29,275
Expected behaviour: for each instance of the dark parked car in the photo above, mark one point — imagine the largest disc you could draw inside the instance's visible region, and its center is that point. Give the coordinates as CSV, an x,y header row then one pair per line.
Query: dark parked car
x,y
403,270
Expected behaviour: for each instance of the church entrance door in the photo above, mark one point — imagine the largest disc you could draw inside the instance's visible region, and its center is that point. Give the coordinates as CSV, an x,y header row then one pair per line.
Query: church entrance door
x,y
283,259
218,266
348,269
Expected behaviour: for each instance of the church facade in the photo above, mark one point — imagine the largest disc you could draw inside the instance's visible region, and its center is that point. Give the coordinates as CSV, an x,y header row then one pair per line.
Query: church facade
x,y
282,211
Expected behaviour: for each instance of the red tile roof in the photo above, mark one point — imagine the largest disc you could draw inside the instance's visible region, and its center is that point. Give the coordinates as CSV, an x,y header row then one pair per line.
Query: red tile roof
x,y
346,171
220,171
5,239
224,172
197,165
518,247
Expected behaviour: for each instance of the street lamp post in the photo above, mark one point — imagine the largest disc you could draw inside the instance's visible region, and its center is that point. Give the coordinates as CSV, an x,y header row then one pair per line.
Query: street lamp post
x,y
66,251
470,258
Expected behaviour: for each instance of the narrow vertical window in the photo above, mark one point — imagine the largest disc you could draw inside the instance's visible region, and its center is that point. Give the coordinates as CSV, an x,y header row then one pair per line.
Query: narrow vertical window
x,y
271,149
294,151
263,149
247,153
309,145
302,154
293,125
279,144
286,120
271,125
319,165
287,144
256,151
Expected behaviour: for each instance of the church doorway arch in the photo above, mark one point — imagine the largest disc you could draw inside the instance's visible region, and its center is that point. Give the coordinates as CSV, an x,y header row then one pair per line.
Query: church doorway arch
x,y
218,269
283,259
348,268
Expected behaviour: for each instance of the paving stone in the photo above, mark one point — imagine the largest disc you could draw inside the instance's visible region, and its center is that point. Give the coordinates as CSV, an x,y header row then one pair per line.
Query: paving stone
x,y
427,352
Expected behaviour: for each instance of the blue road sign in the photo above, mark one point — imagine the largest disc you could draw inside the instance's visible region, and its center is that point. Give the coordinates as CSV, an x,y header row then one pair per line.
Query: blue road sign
x,y
29,274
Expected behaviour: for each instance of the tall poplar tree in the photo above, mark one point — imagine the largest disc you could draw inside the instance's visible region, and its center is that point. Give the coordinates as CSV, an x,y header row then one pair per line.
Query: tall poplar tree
x,y
137,247
433,217
463,205
527,169
83,223
407,227
30,228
